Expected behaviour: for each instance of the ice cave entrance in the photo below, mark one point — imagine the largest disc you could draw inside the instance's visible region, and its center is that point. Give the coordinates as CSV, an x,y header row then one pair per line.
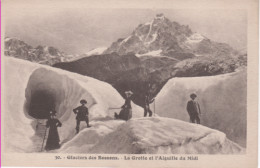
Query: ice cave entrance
x,y
41,104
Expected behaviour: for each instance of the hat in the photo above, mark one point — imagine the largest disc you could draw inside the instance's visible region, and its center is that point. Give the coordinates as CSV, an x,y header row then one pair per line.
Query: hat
x,y
83,101
53,112
129,93
193,95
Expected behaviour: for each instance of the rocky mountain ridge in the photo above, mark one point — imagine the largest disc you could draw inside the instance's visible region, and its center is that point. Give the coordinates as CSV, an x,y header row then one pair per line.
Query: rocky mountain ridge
x,y
41,54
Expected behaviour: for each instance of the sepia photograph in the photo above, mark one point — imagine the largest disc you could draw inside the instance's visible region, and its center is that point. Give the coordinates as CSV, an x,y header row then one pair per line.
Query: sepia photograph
x,y
78,79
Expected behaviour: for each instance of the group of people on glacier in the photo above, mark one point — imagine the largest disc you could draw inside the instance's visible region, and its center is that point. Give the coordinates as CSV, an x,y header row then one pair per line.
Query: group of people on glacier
x,y
82,113
126,109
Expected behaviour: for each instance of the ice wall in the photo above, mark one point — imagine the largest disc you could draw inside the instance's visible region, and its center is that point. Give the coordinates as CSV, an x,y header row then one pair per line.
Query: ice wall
x,y
23,79
66,94
222,99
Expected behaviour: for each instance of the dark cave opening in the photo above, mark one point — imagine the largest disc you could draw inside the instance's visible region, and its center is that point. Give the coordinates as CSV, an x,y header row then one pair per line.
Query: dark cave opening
x,y
40,105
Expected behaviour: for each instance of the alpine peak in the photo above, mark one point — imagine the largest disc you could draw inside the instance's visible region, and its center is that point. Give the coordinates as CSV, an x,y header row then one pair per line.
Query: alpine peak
x,y
159,16
169,37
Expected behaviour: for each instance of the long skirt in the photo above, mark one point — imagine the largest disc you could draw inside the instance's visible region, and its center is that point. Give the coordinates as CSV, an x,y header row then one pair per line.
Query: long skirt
x,y
53,139
125,114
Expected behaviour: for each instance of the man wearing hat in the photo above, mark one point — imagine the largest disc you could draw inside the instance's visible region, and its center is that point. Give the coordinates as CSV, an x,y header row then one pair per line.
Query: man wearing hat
x,y
82,114
147,103
193,109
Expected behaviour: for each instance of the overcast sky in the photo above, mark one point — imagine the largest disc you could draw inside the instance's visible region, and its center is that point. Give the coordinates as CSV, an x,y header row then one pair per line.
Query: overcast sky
x,y
76,30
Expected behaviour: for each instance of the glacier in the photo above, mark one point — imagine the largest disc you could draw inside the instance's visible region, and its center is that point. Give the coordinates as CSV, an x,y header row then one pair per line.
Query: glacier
x,y
25,79
22,80
222,98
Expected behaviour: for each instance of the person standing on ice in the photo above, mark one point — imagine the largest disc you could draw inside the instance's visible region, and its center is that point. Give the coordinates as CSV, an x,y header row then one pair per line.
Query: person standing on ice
x,y
147,103
126,112
193,109
53,111
53,141
82,114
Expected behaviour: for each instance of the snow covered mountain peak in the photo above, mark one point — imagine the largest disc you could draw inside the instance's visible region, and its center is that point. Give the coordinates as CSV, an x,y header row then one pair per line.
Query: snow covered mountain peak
x,y
158,34
171,38
159,16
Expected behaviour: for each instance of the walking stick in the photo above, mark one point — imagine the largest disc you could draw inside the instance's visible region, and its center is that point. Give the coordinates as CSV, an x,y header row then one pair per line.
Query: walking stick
x,y
111,108
154,107
44,138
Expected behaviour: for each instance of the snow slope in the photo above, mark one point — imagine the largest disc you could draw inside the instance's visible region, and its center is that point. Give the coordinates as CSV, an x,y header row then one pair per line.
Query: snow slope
x,y
96,51
153,136
151,53
195,38
222,99
24,79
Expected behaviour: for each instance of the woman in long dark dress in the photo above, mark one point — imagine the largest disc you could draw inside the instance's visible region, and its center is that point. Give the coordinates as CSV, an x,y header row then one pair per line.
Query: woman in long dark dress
x,y
126,112
53,141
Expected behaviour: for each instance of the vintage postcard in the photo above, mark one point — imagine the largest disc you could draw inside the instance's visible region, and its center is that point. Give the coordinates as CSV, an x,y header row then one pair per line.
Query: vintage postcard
x,y
110,83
